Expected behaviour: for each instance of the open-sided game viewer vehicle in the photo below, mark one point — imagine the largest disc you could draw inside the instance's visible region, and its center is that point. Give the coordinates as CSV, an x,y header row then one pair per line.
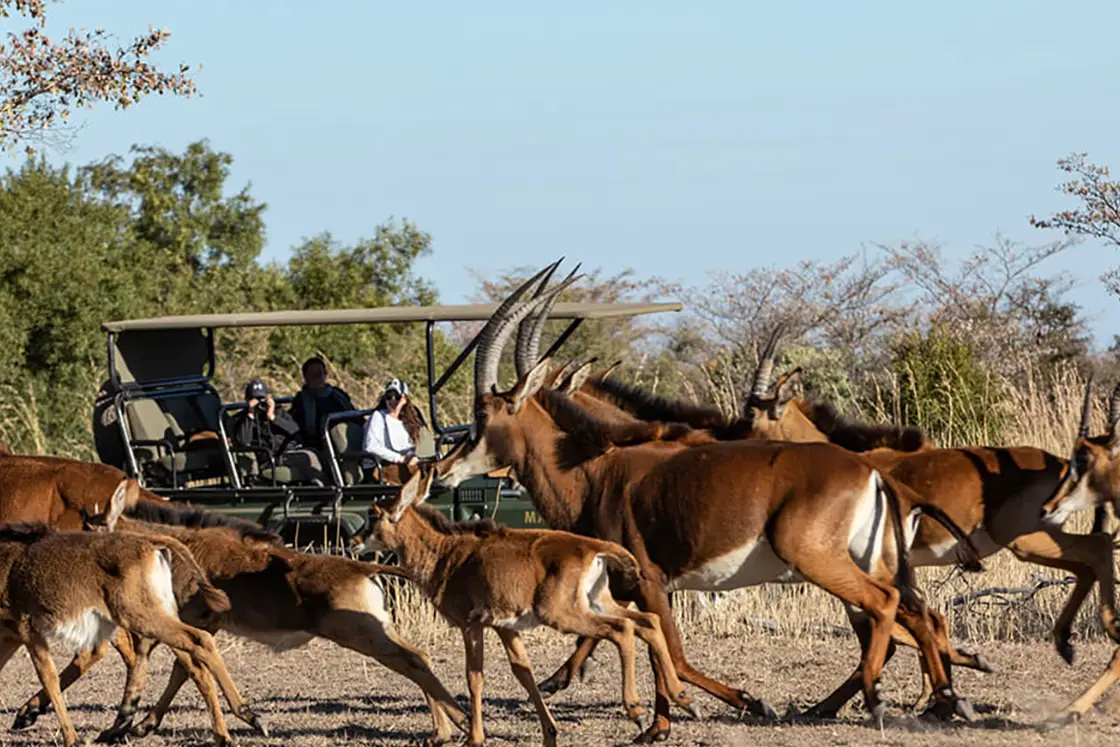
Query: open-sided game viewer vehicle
x,y
161,420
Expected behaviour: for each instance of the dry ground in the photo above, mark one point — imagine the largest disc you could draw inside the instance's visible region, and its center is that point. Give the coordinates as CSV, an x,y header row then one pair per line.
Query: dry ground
x,y
321,695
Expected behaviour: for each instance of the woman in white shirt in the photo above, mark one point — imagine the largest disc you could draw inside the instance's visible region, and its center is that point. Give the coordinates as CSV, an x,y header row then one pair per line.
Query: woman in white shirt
x,y
394,428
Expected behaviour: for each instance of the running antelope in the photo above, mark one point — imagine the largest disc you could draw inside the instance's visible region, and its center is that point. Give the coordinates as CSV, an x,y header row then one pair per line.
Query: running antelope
x,y
75,590
279,597
995,494
55,490
710,517
1092,481
480,575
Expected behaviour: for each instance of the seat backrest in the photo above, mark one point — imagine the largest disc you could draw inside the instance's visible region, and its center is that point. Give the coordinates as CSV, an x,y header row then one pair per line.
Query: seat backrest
x,y
346,437
426,444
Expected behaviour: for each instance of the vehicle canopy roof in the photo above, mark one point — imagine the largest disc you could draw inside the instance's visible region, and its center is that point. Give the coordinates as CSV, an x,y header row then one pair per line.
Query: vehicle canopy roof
x,y
174,348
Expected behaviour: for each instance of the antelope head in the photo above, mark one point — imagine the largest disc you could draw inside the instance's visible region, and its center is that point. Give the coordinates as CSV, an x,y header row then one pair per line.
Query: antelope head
x,y
770,415
98,521
1093,477
380,534
492,442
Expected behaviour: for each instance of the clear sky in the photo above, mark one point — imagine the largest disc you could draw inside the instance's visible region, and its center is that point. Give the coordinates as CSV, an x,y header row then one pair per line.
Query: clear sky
x,y
675,138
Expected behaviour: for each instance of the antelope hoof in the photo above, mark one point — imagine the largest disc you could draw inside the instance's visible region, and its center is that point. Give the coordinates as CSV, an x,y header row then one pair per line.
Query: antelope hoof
x,y
1065,648
762,709
636,712
983,665
964,709
554,684
1059,720
253,719
587,670
878,713
25,717
652,735
144,728
223,740
688,705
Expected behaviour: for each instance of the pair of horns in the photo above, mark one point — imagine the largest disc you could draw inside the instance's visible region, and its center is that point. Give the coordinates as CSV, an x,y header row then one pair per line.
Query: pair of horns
x,y
527,348
1086,411
495,335
761,384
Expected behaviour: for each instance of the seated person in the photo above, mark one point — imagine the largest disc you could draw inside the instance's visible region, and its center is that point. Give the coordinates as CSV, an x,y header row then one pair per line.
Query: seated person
x,y
315,401
392,432
262,425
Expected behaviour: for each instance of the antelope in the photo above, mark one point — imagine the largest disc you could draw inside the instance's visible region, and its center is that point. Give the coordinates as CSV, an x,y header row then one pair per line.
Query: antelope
x,y
994,494
75,589
55,490
279,597
481,575
709,517
1092,481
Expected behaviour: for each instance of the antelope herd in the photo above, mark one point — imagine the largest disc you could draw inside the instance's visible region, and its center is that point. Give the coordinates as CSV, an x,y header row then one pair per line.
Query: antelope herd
x,y
643,497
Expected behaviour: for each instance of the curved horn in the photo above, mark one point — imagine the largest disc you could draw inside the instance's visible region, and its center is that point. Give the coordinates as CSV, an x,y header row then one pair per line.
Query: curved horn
x,y
486,335
1114,407
1087,407
1082,430
486,362
533,352
523,359
761,382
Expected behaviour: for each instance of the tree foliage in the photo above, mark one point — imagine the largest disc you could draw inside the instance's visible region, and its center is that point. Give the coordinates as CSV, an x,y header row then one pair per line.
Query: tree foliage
x,y
43,81
1098,215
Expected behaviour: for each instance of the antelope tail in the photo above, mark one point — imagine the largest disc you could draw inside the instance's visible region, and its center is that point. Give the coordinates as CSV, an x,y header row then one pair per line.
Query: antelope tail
x,y
622,562
904,574
216,599
380,569
967,554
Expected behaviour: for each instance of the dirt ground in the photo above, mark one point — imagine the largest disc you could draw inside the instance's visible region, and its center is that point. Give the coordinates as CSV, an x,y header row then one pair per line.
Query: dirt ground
x,y
322,695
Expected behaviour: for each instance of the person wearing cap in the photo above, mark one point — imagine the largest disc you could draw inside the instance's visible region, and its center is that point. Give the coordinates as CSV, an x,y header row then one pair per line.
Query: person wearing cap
x,y
393,429
261,425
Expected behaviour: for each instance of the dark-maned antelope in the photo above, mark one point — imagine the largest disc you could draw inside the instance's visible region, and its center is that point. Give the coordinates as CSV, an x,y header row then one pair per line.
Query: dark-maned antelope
x,y
1093,481
480,575
74,589
279,597
994,494
55,490
710,517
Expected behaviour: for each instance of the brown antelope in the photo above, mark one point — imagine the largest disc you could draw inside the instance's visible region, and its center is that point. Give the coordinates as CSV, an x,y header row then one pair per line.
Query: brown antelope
x,y
55,490
710,517
764,418
480,575
279,597
75,589
995,494
1092,481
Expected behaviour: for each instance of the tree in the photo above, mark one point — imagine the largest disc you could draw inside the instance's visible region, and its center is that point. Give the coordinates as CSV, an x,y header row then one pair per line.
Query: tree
x,y
1098,216
42,82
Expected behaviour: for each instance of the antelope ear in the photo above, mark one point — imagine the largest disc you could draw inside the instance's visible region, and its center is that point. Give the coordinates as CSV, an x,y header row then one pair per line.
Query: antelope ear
x,y
607,371
530,383
576,378
117,505
415,490
786,387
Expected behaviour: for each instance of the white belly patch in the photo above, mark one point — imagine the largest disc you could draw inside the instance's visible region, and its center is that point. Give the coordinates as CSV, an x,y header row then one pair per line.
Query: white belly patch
x,y
83,632
945,553
752,564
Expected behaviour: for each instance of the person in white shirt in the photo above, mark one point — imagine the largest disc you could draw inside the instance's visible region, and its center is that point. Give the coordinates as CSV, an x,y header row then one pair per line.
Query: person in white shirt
x,y
393,429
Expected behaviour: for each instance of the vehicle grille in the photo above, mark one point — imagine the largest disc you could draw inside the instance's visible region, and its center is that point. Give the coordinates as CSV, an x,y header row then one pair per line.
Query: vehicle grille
x,y
472,495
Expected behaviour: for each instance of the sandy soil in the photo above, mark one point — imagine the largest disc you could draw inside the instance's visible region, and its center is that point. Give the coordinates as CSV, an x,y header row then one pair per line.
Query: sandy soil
x,y
322,695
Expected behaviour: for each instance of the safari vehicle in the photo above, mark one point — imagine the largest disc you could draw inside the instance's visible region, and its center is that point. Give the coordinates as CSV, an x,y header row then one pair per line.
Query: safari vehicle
x,y
161,420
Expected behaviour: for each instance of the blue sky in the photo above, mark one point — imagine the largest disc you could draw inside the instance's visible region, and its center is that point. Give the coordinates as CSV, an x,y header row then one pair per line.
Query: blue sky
x,y
675,138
